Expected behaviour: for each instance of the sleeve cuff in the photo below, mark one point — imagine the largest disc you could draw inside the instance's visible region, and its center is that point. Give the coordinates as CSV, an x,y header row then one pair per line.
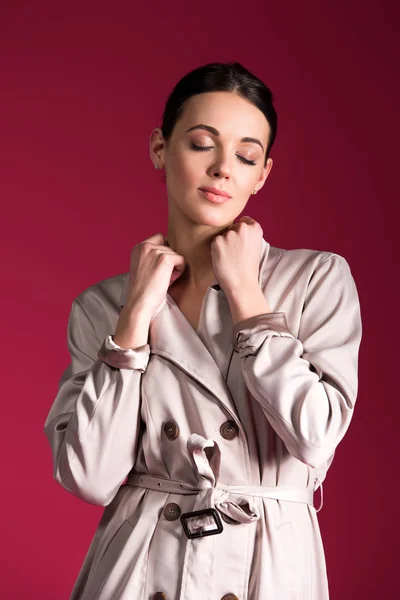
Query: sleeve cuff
x,y
124,358
249,334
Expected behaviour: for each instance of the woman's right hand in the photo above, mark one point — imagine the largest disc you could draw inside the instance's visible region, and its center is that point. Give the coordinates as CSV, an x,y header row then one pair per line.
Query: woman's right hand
x,y
154,266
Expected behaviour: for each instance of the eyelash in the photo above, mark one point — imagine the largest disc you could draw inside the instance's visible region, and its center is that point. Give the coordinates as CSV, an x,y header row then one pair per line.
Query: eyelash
x,y
204,148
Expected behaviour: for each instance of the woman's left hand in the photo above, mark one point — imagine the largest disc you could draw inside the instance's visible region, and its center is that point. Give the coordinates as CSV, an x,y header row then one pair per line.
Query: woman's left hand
x,y
235,255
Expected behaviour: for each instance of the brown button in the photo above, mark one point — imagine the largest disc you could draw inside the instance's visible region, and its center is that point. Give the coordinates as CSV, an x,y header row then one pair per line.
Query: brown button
x,y
171,511
229,430
171,430
160,596
229,597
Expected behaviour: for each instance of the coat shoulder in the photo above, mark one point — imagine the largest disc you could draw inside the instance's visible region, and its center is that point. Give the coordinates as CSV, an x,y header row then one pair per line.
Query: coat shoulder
x,y
106,292
300,257
296,266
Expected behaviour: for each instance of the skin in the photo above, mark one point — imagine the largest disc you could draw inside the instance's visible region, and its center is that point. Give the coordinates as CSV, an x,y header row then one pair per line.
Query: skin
x,y
206,234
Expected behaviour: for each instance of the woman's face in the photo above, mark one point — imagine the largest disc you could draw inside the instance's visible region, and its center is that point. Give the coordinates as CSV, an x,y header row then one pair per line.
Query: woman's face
x,y
222,165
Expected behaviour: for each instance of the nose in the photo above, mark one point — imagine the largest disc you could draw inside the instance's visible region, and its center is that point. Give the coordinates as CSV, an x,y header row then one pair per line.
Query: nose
x,y
221,167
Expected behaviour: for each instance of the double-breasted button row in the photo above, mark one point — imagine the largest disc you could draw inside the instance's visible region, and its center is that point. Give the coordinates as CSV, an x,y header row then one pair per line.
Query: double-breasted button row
x,y
162,596
229,430
171,511
171,430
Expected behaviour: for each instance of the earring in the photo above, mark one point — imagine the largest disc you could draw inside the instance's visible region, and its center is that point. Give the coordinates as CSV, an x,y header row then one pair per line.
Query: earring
x,y
157,167
254,192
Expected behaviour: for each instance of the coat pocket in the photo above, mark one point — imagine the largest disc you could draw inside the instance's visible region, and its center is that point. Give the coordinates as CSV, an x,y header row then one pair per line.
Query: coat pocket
x,y
107,565
290,554
289,563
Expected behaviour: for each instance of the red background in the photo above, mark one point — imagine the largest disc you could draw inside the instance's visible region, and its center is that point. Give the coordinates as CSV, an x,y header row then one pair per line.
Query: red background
x,y
82,86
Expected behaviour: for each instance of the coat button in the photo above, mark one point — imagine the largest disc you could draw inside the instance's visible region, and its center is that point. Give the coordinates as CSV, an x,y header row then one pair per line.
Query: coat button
x,y
229,430
229,597
171,511
171,430
159,596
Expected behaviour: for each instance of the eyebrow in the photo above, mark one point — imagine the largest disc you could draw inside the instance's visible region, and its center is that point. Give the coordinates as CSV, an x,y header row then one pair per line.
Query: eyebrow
x,y
216,132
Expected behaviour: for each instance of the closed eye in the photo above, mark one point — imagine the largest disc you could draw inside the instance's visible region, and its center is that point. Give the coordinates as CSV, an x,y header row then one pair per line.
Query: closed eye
x,y
205,148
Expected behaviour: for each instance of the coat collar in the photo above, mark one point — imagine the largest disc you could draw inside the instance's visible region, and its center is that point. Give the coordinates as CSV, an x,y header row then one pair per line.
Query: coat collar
x,y
265,251
173,337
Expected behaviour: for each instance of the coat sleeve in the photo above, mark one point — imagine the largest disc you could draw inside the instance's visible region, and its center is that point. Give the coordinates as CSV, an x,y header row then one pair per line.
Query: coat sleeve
x,y
93,423
307,386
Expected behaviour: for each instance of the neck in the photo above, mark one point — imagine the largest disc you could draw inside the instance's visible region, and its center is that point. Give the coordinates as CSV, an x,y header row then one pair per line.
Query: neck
x,y
193,241
198,273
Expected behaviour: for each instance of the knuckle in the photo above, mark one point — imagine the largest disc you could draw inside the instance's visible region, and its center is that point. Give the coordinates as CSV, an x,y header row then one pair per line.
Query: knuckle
x,y
146,246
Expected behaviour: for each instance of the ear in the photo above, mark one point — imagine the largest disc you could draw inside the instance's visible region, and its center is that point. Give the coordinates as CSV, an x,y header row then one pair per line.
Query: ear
x,y
264,174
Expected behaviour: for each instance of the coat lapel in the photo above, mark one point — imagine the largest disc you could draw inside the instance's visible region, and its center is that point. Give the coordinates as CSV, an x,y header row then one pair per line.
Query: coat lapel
x,y
205,355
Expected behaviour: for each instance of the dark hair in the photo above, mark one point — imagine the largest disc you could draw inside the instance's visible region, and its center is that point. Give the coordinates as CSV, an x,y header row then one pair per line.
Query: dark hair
x,y
220,77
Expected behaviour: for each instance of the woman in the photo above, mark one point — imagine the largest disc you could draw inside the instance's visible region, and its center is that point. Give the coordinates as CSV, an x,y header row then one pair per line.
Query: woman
x,y
217,377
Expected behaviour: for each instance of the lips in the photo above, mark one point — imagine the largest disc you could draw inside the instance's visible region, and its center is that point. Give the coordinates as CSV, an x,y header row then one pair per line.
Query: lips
x,y
215,198
215,191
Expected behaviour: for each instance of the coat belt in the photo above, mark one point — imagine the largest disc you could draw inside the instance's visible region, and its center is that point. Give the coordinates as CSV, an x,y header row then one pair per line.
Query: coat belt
x,y
234,501
172,486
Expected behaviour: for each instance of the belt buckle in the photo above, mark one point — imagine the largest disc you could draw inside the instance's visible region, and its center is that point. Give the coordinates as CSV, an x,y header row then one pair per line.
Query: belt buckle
x,y
212,512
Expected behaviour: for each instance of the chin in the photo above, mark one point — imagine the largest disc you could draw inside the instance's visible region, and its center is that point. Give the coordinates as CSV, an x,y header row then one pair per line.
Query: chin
x,y
214,219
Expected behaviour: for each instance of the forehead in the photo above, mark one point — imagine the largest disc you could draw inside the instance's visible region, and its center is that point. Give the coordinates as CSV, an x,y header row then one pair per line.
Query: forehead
x,y
227,112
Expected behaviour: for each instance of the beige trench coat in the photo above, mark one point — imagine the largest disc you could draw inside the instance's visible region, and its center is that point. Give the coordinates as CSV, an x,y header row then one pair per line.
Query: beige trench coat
x,y
240,421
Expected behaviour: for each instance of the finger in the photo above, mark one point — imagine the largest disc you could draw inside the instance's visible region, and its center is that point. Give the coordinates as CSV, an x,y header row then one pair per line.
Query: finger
x,y
250,221
157,238
247,219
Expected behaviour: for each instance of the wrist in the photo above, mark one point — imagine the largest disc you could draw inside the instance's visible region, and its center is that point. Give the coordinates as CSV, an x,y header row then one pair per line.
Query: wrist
x,y
247,301
132,328
135,312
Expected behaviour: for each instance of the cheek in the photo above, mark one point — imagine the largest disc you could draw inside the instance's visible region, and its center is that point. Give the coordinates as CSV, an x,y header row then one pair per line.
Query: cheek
x,y
247,179
186,176
184,171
